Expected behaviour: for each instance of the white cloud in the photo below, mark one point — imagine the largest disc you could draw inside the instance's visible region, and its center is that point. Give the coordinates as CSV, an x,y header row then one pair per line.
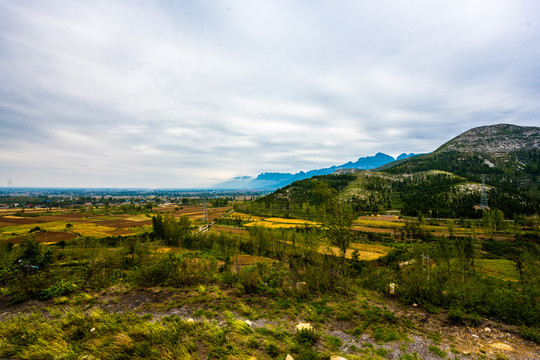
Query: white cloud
x,y
165,94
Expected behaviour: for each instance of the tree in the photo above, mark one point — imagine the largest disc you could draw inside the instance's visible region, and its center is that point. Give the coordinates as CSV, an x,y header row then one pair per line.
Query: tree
x,y
173,231
339,219
450,226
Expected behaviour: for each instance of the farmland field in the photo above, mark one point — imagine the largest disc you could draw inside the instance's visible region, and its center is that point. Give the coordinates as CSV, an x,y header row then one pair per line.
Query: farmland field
x,y
57,226
271,271
499,268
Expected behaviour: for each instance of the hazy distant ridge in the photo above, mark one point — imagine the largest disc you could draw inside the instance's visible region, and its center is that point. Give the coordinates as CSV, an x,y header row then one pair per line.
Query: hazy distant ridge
x,y
273,180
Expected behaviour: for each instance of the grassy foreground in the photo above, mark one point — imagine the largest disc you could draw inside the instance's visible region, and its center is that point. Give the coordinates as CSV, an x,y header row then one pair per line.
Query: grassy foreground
x,y
180,293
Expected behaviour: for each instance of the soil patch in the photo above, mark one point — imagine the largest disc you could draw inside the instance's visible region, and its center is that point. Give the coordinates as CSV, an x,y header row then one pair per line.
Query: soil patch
x,y
241,261
47,237
229,229
10,221
122,223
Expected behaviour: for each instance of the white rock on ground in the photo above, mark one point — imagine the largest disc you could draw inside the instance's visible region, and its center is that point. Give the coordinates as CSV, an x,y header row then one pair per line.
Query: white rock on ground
x,y
304,326
501,346
289,357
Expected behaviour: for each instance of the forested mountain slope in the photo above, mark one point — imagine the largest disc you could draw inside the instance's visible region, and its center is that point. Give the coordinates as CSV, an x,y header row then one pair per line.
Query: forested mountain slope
x,y
446,183
508,156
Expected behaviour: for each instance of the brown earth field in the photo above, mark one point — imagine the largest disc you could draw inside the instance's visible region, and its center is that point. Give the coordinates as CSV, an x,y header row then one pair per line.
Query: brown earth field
x,y
122,223
10,221
47,237
181,209
69,217
241,261
229,229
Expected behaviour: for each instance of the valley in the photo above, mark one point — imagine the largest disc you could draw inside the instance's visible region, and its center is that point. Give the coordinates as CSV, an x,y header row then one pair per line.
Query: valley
x,y
399,262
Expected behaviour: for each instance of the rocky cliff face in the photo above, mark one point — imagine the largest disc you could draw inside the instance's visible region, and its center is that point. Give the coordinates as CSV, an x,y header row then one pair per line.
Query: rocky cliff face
x,y
495,139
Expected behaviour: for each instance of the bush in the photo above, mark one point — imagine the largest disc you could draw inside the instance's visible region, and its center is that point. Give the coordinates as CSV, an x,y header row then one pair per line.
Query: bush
x,y
435,350
532,334
272,350
63,287
249,278
333,343
307,337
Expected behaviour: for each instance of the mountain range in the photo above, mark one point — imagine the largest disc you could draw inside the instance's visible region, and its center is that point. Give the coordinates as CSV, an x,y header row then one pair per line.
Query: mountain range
x,y
274,180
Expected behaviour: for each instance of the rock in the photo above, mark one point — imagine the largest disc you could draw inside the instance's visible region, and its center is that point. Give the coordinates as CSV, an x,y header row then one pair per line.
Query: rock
x,y
92,330
335,357
249,323
415,305
304,326
289,357
487,329
502,346
475,336
190,320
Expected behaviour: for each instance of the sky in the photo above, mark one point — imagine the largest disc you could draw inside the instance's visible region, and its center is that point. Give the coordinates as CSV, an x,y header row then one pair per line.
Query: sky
x,y
186,94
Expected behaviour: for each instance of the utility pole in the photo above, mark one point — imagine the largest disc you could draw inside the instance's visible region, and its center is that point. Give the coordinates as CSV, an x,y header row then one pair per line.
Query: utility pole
x,y
205,213
426,261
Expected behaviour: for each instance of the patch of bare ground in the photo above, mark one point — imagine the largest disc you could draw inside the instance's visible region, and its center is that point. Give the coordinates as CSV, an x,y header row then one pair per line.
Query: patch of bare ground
x,y
47,237
14,220
229,229
489,339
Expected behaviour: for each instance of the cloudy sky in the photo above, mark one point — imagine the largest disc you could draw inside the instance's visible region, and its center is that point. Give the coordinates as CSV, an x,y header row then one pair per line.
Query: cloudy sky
x,y
189,93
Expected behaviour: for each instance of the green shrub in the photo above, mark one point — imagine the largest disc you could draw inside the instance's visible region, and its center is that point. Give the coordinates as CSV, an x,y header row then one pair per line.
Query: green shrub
x,y
333,343
532,334
414,356
61,288
435,350
272,350
385,334
307,337
249,278
382,352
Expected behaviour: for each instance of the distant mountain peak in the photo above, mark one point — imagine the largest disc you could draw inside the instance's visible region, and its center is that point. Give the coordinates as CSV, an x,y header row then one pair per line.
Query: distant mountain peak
x,y
404,156
274,180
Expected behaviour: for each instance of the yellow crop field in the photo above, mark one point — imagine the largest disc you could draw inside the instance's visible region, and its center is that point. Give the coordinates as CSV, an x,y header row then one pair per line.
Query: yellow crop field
x,y
245,216
137,218
92,230
372,248
9,232
379,223
290,221
365,251
272,225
